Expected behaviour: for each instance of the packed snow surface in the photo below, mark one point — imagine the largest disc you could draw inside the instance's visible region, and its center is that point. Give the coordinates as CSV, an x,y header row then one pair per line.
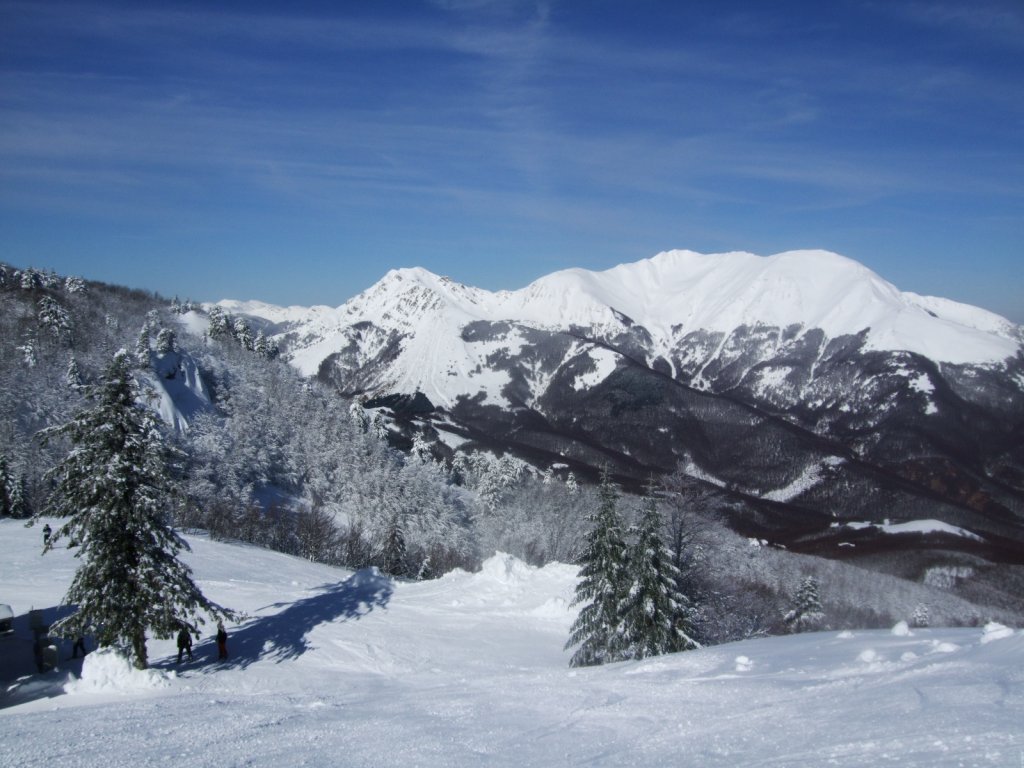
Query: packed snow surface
x,y
335,668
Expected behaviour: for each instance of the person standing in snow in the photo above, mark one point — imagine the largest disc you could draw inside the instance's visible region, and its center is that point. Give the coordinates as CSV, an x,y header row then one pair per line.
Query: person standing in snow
x,y
78,646
37,653
47,532
184,643
222,641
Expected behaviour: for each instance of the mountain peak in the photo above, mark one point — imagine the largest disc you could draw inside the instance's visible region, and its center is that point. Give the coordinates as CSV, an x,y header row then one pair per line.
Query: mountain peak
x,y
677,292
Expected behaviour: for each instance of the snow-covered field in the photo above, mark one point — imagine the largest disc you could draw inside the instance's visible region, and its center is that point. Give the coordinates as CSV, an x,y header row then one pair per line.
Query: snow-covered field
x,y
339,669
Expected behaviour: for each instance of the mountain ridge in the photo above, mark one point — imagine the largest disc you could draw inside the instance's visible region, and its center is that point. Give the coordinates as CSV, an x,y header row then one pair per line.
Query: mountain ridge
x,y
676,292
802,383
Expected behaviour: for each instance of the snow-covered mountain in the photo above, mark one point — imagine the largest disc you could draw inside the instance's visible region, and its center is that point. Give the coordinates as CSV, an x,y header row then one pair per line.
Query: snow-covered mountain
x,y
801,379
671,296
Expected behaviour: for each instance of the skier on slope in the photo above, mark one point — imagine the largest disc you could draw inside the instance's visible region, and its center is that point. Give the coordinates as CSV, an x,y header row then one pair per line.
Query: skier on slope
x,y
184,643
222,641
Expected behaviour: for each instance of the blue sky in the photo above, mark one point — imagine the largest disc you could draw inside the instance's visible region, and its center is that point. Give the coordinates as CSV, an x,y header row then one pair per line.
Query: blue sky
x,y
293,152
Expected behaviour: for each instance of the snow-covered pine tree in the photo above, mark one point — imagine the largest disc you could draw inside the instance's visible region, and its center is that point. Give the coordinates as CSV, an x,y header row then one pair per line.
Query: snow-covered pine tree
x,y
166,342
921,618
74,284
114,490
260,345
240,330
655,617
142,348
806,613
73,375
219,323
5,488
54,318
394,550
28,353
31,280
18,496
601,588
421,451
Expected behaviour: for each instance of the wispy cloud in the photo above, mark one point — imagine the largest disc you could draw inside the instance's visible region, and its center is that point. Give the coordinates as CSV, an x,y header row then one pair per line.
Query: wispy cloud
x,y
498,115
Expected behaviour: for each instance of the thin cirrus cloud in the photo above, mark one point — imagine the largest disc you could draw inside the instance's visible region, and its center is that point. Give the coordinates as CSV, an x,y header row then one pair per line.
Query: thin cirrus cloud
x,y
532,121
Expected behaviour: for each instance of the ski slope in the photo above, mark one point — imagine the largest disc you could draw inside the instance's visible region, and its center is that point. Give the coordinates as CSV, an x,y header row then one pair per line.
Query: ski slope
x,y
339,669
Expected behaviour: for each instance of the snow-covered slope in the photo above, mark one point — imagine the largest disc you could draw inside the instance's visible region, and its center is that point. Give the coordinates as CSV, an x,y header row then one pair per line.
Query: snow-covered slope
x,y
181,394
336,668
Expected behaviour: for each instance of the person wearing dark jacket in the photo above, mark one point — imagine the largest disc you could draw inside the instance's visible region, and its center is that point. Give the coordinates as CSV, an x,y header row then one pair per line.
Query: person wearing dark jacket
x,y
184,643
222,641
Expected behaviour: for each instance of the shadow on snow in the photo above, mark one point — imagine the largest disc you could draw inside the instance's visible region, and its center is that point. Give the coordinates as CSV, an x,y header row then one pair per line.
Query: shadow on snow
x,y
278,637
20,679
285,635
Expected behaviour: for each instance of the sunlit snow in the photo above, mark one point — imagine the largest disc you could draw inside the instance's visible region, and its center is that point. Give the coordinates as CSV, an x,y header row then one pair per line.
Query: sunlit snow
x,y
672,294
334,668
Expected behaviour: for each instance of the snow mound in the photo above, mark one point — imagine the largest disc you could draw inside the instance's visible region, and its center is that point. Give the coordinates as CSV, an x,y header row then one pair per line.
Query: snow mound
x,y
507,584
108,671
902,629
869,656
995,631
503,568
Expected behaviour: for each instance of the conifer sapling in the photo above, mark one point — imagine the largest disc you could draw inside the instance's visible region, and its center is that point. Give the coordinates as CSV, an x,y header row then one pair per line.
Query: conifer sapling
x,y
602,585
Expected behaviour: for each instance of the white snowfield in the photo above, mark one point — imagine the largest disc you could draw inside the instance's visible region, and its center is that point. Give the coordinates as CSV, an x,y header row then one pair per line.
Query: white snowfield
x,y
671,294
339,669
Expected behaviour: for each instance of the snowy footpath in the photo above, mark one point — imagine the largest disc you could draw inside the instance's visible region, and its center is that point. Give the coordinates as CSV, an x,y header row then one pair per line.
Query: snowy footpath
x,y
334,668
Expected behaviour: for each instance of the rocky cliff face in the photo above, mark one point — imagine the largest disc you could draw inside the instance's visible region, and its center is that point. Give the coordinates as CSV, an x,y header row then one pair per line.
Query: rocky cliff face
x,y
810,389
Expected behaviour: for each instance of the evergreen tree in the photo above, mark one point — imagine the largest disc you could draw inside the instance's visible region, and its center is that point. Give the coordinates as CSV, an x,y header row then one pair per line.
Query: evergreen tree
x,y
393,555
31,280
260,345
73,375
166,342
240,330
806,613
74,284
142,348
28,353
601,586
18,497
5,488
421,451
655,617
218,323
921,617
115,491
54,318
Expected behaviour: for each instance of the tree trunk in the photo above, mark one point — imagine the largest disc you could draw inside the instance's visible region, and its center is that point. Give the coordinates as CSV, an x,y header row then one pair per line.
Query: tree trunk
x,y
139,649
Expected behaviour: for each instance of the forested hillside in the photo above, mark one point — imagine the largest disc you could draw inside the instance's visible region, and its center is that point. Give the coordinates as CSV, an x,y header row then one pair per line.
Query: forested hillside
x,y
285,462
